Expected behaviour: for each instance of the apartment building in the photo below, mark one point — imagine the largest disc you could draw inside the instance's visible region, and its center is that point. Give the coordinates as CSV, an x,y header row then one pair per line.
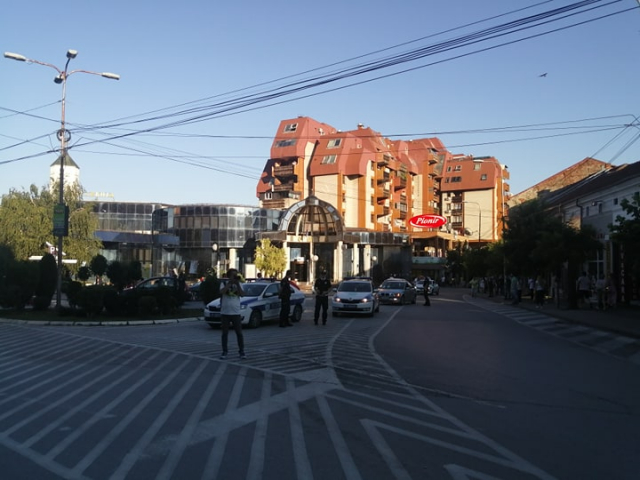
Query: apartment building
x,y
475,195
371,186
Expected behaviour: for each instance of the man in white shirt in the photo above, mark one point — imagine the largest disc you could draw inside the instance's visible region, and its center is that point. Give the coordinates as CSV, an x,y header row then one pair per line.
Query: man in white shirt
x,y
230,312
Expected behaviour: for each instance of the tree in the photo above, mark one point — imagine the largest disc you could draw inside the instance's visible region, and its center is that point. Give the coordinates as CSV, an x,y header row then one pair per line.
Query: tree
x,y
626,232
27,220
98,266
47,281
538,242
270,259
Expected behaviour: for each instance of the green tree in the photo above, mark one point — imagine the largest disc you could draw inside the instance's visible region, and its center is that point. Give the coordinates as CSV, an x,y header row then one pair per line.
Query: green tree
x,y
81,244
270,259
27,219
626,232
98,266
538,242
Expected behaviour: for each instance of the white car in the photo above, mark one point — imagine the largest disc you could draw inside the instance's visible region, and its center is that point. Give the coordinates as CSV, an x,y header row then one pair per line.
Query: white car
x,y
260,303
355,296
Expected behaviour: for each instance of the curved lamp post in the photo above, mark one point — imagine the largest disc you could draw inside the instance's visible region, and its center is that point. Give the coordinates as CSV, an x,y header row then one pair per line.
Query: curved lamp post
x,y
61,213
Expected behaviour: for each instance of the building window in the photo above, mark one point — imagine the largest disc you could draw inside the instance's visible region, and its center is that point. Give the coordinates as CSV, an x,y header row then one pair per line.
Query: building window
x,y
476,166
329,159
291,127
458,168
334,143
268,196
449,168
483,176
285,143
456,179
615,201
446,180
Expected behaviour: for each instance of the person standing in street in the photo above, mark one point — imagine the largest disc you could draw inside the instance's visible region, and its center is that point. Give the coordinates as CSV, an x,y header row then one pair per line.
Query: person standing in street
x,y
321,288
285,300
425,292
583,285
230,312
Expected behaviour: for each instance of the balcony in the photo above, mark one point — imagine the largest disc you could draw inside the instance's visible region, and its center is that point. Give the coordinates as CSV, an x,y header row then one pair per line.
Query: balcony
x,y
284,187
400,182
383,192
456,199
284,171
384,178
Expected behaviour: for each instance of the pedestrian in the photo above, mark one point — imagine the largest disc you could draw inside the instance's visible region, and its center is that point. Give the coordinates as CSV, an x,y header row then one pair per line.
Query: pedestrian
x,y
610,288
601,284
531,284
321,288
285,300
230,312
514,289
583,285
425,291
539,287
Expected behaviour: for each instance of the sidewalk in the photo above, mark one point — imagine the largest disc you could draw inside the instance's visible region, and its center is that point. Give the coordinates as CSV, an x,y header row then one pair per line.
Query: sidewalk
x,y
624,320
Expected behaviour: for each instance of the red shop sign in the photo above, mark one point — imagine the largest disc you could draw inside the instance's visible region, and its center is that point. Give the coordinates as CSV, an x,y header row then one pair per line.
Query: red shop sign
x,y
427,221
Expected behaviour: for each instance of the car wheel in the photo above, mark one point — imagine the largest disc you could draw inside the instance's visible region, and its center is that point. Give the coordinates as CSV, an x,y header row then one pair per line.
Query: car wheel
x,y
255,319
297,314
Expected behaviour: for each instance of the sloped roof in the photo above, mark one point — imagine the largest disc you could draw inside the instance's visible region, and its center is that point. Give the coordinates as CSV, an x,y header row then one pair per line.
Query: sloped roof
x,y
68,161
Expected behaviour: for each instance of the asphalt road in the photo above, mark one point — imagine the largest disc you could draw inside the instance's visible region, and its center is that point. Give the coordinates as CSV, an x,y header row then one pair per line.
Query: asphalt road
x,y
452,391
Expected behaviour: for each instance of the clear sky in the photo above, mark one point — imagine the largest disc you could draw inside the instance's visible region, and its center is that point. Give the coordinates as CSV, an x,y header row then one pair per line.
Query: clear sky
x,y
189,122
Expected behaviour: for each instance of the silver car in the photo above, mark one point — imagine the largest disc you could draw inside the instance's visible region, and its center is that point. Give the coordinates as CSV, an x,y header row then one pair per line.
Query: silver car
x,y
355,297
396,291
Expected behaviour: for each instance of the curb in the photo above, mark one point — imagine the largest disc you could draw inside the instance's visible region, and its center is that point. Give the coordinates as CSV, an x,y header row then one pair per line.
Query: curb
x,y
84,323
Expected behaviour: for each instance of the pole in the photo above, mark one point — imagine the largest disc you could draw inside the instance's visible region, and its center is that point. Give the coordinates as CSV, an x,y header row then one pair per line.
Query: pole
x,y
63,153
64,137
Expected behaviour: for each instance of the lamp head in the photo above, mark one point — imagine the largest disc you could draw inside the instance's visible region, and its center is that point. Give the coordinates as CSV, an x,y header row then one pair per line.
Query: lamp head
x,y
72,54
58,79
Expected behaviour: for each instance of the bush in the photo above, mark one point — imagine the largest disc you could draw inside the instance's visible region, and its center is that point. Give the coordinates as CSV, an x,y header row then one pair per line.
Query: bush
x,y
112,302
147,305
91,300
73,293
41,302
47,277
20,284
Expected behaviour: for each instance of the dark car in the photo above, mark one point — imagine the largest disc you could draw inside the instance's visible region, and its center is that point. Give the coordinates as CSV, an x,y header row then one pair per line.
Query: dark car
x,y
159,287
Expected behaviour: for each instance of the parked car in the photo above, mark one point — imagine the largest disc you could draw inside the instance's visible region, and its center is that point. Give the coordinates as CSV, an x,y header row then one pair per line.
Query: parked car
x,y
355,297
151,286
432,287
420,287
260,303
163,288
396,291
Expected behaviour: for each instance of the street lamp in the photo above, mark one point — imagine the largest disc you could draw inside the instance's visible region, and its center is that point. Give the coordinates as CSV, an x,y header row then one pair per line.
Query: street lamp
x,y
479,220
61,213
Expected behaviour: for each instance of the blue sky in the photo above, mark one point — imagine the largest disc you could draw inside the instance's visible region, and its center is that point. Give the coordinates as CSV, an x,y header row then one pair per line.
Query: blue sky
x,y
177,55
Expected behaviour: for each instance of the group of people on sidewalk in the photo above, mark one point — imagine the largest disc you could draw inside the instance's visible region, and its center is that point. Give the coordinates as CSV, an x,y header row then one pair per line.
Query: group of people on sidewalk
x,y
604,289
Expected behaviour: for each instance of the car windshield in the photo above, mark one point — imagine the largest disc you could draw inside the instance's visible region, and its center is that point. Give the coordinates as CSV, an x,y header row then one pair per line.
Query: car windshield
x,y
253,289
354,287
393,285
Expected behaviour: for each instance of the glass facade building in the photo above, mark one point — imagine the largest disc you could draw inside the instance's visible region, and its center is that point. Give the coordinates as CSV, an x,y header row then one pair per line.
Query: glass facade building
x,y
208,236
